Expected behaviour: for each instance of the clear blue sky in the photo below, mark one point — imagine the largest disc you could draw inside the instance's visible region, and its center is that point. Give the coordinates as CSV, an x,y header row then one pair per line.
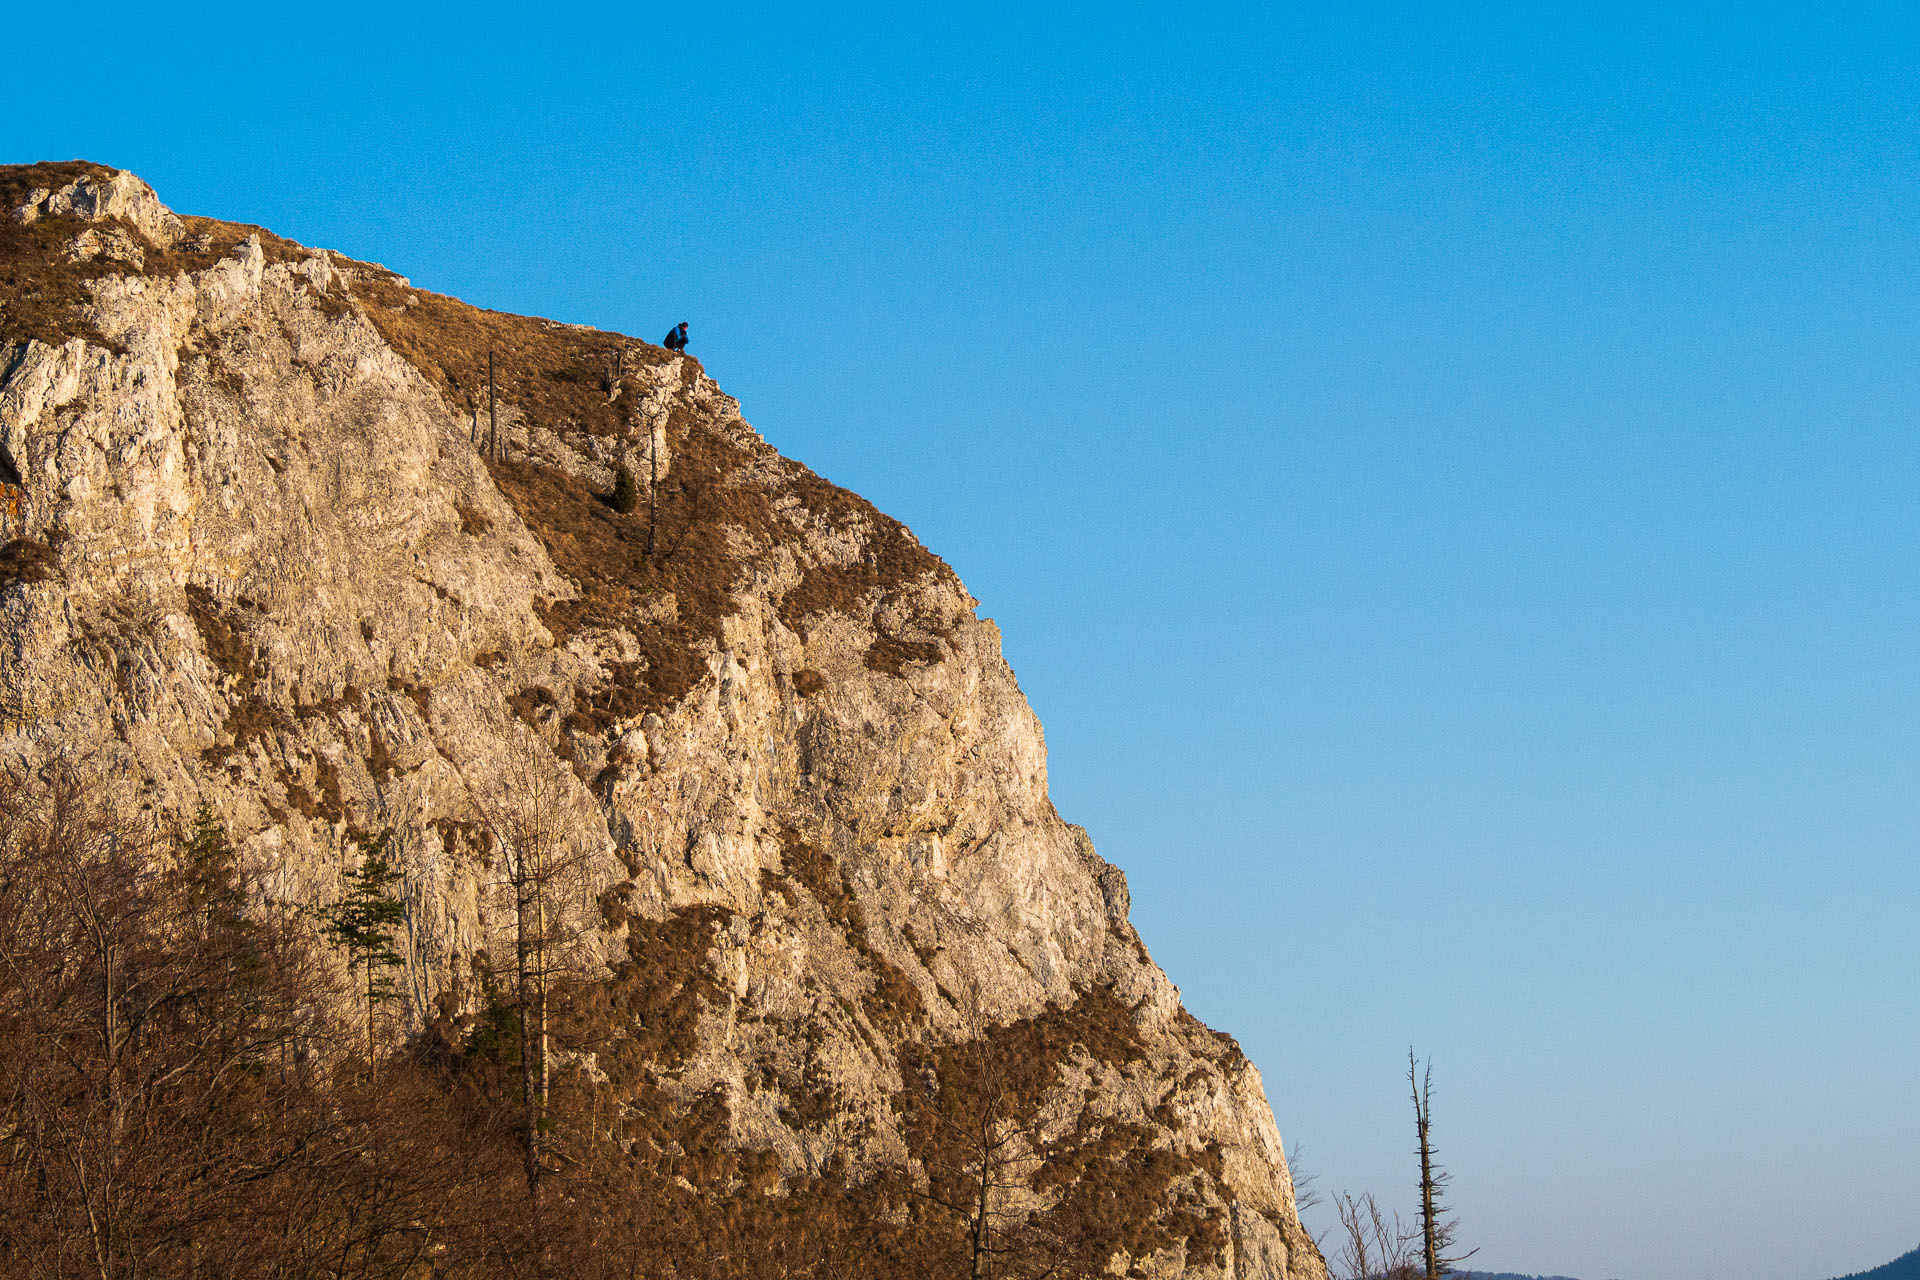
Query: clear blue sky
x,y
1449,484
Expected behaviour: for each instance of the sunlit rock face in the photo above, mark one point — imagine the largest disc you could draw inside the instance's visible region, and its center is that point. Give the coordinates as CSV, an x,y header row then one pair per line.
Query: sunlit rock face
x,y
274,545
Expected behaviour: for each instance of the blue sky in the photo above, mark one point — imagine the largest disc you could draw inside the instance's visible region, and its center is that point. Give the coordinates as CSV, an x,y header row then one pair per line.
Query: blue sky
x,y
1448,482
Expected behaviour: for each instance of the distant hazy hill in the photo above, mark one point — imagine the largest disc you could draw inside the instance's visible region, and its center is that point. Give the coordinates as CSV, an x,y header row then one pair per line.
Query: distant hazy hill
x,y
1904,1267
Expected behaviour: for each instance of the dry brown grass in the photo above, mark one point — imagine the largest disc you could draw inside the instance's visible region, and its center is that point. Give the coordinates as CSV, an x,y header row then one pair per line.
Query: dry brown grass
x,y
716,522
893,1003
222,633
44,295
1111,1184
555,373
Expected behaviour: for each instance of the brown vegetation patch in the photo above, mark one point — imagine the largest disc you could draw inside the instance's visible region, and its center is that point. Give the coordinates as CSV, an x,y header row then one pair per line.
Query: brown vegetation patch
x,y
1024,1059
330,807
624,698
605,554
814,1099
891,655
893,1002
533,704
1109,1184
380,761
1218,1045
224,639
1112,1184
223,635
715,519
45,296
472,521
556,374
25,561
645,1019
893,558
349,696
252,717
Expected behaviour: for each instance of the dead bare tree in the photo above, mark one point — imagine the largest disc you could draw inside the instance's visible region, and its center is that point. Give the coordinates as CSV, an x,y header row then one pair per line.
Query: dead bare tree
x,y
616,361
1437,1231
656,432
993,1152
493,413
544,861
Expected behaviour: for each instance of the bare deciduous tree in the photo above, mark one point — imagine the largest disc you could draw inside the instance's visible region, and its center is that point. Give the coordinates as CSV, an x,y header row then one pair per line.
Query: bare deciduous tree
x,y
993,1159
543,860
1372,1245
144,1012
989,1151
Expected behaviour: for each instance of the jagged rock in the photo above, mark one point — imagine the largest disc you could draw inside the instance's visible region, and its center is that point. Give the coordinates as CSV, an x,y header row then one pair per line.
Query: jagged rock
x,y
103,196
270,549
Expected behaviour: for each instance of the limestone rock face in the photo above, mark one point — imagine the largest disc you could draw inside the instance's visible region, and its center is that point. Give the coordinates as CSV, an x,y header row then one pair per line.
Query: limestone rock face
x,y
270,546
115,196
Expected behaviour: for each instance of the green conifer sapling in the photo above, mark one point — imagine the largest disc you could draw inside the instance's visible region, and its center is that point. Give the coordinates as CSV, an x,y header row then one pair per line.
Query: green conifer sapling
x,y
362,925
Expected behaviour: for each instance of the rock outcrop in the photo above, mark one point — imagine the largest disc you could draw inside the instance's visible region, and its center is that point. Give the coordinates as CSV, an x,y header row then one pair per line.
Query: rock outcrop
x,y
270,546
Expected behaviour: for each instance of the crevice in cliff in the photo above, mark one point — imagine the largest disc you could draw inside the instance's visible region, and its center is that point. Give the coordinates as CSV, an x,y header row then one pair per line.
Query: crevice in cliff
x,y
24,561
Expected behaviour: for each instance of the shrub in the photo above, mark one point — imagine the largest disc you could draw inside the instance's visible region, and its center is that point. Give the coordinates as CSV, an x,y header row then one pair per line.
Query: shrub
x,y
626,491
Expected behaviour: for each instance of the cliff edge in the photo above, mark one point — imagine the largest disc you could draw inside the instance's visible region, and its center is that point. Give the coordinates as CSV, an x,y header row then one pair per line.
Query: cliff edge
x,y
269,546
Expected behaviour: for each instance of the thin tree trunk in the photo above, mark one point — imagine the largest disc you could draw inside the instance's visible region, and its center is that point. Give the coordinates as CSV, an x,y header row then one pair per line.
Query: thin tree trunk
x,y
372,1069
540,975
981,1242
1426,1207
116,1104
1423,1127
653,482
524,977
493,413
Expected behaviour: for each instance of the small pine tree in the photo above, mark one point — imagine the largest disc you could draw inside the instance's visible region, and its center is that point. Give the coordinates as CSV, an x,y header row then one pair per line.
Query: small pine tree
x,y
626,491
362,925
208,877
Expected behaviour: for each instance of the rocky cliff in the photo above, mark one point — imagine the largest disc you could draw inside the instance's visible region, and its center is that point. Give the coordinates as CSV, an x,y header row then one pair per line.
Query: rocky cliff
x,y
268,544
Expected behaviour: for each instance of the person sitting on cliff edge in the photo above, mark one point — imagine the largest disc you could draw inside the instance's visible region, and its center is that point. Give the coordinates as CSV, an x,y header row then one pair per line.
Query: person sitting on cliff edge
x,y
676,340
